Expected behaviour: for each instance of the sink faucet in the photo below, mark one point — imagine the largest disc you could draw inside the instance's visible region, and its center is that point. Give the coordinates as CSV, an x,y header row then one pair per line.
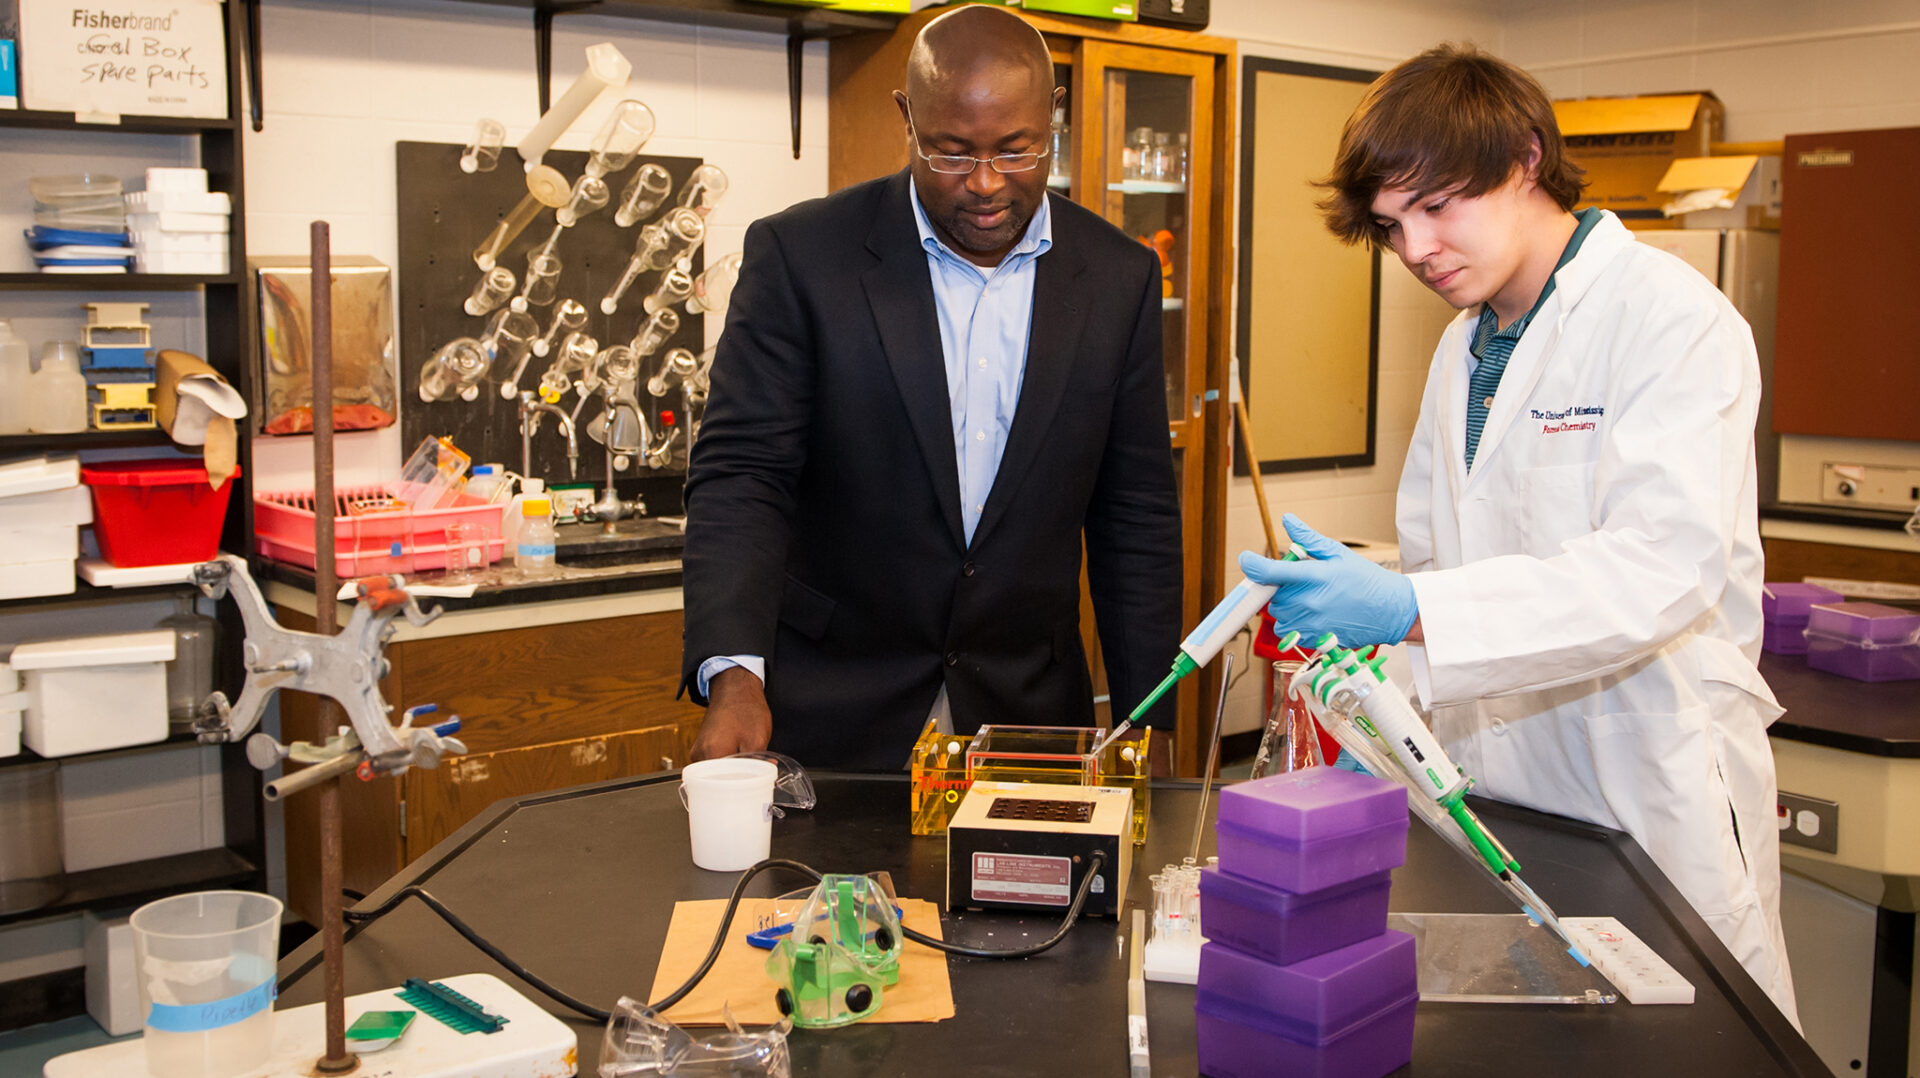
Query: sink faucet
x,y
619,440
530,410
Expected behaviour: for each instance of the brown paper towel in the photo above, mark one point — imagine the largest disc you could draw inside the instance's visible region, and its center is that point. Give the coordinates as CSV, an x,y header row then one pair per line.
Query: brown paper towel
x,y
740,980
222,443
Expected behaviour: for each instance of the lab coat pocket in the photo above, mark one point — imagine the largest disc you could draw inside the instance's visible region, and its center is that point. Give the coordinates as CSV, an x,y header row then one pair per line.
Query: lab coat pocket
x,y
1660,776
1556,505
807,611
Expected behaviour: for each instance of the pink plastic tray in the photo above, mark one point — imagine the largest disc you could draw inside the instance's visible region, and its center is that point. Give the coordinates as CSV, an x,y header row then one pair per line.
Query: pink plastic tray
x,y
366,543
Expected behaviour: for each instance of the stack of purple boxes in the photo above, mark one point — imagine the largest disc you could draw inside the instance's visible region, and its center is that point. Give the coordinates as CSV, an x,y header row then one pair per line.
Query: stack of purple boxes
x,y
1863,641
1300,975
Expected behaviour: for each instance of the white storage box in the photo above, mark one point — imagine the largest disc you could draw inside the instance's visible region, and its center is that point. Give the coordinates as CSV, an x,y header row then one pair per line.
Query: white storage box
x,y
12,701
113,994
91,693
36,474
180,202
30,579
175,179
180,261
22,545
183,242
47,509
173,221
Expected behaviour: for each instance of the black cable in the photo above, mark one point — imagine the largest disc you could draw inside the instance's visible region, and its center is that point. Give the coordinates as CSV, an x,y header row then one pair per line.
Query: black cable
x,y
726,919
1099,858
475,938
719,937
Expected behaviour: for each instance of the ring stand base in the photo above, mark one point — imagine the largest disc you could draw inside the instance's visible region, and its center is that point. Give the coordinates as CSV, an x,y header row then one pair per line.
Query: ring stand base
x,y
533,1043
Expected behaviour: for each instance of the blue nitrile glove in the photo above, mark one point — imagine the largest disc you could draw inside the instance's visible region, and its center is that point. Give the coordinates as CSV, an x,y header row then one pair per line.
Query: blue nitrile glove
x,y
1346,762
1339,592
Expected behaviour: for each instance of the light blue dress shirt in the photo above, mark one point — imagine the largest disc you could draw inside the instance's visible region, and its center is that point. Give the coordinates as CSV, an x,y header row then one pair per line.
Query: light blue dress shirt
x,y
985,314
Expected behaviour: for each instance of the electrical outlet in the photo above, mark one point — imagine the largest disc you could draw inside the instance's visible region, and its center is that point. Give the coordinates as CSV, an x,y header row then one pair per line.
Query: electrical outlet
x,y
1809,821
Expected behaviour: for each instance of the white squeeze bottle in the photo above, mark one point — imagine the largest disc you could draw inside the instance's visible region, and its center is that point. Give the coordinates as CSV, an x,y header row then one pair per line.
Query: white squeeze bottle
x,y
16,368
510,523
534,554
58,401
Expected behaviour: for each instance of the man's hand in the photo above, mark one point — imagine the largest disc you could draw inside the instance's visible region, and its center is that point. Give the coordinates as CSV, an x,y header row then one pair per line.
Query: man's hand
x,y
738,719
1338,592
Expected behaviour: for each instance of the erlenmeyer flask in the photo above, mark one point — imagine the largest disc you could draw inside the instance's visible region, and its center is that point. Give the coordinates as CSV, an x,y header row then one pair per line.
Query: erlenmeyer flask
x,y
1290,741
626,129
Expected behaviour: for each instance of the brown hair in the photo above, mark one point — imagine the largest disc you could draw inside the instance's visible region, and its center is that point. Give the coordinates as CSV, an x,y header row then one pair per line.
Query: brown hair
x,y
1451,119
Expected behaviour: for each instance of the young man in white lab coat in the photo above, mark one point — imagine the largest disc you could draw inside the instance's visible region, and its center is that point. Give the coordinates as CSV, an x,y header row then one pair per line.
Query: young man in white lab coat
x,y
1577,512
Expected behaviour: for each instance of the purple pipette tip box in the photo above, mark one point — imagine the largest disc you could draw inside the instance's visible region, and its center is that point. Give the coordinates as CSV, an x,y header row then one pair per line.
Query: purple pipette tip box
x,y
1344,1014
1784,608
1307,830
1864,641
1284,926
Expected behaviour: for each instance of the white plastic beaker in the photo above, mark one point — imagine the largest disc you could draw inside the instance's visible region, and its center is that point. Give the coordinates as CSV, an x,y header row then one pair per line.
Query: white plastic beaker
x,y
729,811
205,964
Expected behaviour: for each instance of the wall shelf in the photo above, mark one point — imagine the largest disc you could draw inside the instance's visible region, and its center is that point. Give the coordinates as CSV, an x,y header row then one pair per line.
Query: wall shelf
x,y
140,125
800,24
114,282
89,439
139,882
28,756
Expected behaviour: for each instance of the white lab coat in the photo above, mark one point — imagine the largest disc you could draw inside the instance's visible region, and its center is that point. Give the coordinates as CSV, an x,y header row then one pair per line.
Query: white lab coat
x,y
1590,592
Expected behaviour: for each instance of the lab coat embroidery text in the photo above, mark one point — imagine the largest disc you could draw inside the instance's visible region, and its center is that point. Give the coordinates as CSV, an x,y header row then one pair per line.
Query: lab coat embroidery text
x,y
1563,421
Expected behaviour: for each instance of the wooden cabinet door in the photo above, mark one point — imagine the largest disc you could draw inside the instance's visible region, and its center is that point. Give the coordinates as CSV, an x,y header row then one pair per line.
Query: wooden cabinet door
x,y
439,801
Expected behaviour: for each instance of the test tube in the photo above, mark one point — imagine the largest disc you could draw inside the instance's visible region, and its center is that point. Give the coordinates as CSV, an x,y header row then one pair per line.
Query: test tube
x,y
643,194
493,288
664,323
568,316
626,129
454,371
675,366
605,68
589,194
674,286
704,189
680,233
542,283
483,150
714,287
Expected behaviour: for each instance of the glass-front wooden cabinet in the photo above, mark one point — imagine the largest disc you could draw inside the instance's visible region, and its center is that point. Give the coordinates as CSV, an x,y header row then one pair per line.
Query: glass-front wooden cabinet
x,y
1144,138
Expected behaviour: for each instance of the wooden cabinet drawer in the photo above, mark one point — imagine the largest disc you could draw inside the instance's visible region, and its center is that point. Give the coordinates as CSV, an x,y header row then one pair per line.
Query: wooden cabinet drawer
x,y
439,801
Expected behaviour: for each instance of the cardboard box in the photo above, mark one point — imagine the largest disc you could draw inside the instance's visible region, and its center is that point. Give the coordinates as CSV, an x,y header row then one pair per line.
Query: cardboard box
x,y
1724,192
1626,144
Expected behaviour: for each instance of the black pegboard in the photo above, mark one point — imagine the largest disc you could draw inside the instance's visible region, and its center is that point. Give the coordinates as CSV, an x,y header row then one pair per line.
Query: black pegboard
x,y
443,215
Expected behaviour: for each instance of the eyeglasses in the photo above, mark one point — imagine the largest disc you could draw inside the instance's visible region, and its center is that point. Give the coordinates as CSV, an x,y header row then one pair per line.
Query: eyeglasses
x,y
961,165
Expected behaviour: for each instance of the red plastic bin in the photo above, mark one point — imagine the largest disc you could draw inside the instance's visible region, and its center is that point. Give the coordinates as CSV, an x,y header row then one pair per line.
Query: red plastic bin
x,y
156,512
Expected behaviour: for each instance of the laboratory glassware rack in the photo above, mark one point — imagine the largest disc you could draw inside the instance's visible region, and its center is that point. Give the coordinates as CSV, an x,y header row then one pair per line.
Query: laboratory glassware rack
x,y
241,862
1120,78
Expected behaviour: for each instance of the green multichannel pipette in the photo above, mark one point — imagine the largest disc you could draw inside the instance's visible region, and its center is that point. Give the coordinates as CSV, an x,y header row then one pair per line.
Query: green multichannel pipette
x,y
1352,687
1240,606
